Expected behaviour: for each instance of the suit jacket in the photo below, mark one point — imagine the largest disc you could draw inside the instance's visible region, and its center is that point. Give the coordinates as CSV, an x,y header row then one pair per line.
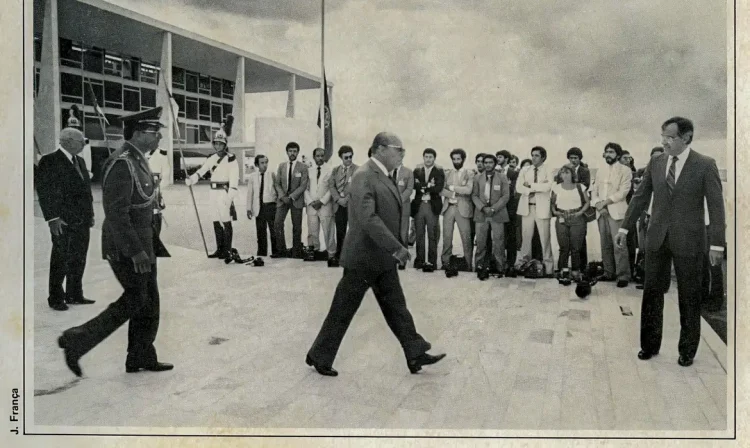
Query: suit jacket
x,y
620,182
420,186
62,192
374,222
253,190
514,195
540,188
339,183
499,197
317,189
128,195
463,185
405,185
299,183
682,213
584,176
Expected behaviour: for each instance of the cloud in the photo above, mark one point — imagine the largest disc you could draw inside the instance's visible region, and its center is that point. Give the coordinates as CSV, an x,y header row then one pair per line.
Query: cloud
x,y
287,10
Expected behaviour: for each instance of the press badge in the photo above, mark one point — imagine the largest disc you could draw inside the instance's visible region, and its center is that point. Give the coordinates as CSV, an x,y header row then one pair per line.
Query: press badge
x,y
496,187
297,174
401,183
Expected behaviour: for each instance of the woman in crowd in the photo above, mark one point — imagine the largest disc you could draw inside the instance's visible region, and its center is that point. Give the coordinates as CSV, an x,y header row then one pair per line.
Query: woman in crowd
x,y
568,203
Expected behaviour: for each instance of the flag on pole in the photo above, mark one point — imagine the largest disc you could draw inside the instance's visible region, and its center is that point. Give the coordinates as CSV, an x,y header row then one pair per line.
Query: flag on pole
x,y
174,108
98,109
328,132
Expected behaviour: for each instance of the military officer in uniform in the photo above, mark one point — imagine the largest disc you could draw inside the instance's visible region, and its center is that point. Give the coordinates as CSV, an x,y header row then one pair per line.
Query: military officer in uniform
x,y
131,246
225,175
158,161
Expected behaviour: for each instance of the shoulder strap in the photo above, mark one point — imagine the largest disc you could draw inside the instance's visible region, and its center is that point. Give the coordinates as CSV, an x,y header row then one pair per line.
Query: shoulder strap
x,y
580,193
217,163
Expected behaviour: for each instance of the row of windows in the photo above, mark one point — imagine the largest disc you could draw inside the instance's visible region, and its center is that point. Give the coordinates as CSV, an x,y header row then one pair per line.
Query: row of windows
x,y
97,60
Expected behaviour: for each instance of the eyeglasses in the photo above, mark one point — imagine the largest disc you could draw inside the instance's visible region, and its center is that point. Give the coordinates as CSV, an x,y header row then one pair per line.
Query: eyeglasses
x,y
347,157
669,138
397,148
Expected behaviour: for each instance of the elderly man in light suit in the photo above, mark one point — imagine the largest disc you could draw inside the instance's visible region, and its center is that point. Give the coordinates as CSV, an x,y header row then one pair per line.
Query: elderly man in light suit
x,y
405,184
320,210
490,195
372,249
608,195
457,209
290,183
534,184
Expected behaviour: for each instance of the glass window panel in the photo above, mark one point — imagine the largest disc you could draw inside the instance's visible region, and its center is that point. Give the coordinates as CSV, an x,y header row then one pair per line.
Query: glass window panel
x,y
132,100
131,69
216,88
70,52
216,113
191,109
227,89
93,60
148,97
149,73
227,109
112,65
112,92
205,134
92,128
71,85
180,100
204,84
204,109
191,82
178,77
191,135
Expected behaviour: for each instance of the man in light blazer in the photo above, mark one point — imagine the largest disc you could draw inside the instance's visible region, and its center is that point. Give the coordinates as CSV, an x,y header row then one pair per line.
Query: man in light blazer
x,y
338,183
405,184
534,184
261,204
608,194
371,252
320,211
681,181
457,209
490,195
290,183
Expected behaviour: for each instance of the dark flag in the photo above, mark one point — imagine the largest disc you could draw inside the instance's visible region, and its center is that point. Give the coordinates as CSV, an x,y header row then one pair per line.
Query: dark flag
x,y
328,143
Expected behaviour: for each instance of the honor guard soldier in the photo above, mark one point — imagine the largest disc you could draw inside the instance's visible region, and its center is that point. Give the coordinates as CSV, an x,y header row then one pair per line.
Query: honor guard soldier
x,y
158,161
225,173
131,246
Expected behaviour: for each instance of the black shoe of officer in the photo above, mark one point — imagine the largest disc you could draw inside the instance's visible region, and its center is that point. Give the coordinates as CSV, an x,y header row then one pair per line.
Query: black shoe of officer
x,y
483,274
450,271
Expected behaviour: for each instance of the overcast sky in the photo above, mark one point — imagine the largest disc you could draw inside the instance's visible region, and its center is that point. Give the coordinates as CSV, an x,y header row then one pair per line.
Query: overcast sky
x,y
486,75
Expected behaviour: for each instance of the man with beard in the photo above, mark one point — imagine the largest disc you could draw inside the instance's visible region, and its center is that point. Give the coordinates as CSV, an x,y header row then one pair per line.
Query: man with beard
x,y
290,183
457,209
479,162
428,183
225,174
131,247
372,249
608,194
338,184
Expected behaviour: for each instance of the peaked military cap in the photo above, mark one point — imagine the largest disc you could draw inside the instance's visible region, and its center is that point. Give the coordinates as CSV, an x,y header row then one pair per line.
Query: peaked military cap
x,y
150,117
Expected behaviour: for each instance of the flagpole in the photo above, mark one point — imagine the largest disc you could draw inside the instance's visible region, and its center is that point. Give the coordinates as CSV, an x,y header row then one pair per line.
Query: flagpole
x,y
184,163
322,73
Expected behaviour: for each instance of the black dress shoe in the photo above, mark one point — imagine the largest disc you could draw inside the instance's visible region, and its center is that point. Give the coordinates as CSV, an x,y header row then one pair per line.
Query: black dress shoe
x,y
684,361
511,272
451,272
425,359
401,267
333,262
644,355
428,267
418,264
325,371
217,254
153,367
606,278
58,306
483,274
79,301
622,283
639,286
280,254
72,354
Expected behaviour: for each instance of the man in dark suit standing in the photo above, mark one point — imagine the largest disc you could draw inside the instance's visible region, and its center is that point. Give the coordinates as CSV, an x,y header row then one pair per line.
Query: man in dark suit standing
x,y
428,183
372,249
680,180
338,183
261,204
131,246
290,183
582,176
490,194
67,205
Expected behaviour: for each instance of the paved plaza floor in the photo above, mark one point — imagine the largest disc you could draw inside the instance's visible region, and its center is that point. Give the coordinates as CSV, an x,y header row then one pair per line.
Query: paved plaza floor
x,y
523,355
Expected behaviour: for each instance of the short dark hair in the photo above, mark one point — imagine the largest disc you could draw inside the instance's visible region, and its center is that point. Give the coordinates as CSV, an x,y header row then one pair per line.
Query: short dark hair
x,y
656,149
514,157
491,157
292,145
479,156
460,152
541,150
616,147
524,161
345,149
504,153
258,158
429,151
574,151
683,126
318,149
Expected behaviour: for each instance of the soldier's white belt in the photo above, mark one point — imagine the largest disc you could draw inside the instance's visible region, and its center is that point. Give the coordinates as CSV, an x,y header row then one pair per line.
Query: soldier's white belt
x,y
219,185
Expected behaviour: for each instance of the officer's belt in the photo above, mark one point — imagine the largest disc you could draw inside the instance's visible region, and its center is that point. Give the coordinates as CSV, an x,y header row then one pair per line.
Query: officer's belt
x,y
219,185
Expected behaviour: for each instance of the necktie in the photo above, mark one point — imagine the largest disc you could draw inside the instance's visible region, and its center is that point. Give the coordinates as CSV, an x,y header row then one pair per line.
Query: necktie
x,y
262,184
536,173
318,178
289,177
488,188
77,167
671,175
393,177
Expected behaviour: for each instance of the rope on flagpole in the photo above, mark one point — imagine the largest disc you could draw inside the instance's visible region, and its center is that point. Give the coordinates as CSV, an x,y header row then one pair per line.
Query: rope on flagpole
x,y
184,162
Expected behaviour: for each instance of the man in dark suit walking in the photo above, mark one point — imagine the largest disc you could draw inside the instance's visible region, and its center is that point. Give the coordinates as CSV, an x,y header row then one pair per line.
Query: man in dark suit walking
x,y
290,183
130,245
372,249
680,180
67,205
425,208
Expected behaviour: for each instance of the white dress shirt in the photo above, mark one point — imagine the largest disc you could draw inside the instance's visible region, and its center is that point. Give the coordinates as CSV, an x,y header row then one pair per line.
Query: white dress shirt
x,y
380,165
269,194
427,171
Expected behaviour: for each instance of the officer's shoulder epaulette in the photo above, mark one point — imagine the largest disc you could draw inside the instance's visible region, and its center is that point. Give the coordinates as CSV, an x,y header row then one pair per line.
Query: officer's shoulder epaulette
x,y
232,157
124,155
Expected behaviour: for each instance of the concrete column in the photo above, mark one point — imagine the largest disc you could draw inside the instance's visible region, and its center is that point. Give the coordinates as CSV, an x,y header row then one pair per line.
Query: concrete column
x,y
162,100
290,106
238,111
47,119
